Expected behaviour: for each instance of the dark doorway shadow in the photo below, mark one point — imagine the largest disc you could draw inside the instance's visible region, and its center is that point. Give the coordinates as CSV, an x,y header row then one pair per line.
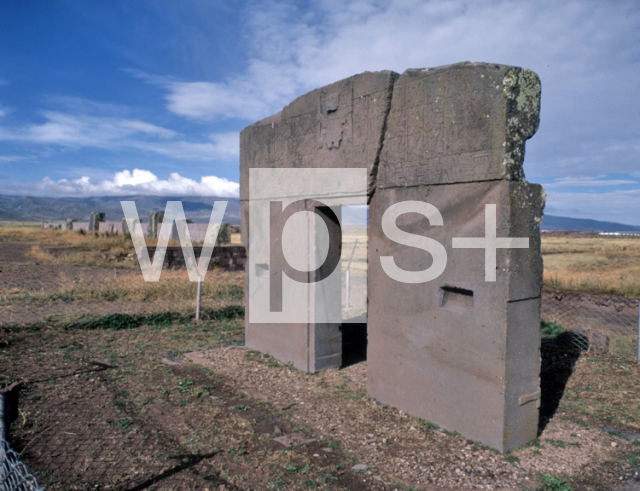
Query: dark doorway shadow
x,y
354,343
559,355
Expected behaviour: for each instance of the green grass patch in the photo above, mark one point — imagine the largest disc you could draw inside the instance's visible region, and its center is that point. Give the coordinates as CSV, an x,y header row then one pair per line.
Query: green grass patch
x,y
553,483
450,433
550,330
118,322
428,424
512,459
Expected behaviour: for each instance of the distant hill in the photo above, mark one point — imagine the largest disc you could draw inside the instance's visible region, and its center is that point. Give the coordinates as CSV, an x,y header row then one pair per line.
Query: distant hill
x,y
550,222
8,217
198,209
29,208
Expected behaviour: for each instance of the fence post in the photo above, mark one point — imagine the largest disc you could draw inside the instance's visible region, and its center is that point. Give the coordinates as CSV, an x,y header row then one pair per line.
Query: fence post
x,y
8,409
4,418
199,294
347,287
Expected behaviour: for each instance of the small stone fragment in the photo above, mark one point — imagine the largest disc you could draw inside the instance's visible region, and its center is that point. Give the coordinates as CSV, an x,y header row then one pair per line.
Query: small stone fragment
x,y
171,361
293,439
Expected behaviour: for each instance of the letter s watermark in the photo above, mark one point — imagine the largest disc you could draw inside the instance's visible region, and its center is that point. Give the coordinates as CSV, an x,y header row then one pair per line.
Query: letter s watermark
x,y
433,247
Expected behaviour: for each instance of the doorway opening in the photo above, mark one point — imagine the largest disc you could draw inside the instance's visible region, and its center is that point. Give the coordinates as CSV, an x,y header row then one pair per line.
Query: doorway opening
x,y
354,263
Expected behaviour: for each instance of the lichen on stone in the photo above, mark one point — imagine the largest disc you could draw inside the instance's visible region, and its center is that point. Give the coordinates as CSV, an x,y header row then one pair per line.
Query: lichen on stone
x,y
521,88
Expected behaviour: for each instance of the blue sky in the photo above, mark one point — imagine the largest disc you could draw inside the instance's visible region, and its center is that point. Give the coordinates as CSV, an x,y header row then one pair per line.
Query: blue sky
x,y
128,97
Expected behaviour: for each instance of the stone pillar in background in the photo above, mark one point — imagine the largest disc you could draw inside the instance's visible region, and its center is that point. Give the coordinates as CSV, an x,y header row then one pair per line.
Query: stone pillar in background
x,y
459,351
95,220
336,126
155,219
69,223
224,234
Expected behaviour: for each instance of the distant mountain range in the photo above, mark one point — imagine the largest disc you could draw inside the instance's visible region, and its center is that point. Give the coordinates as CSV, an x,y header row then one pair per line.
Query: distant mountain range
x,y
198,209
550,222
28,208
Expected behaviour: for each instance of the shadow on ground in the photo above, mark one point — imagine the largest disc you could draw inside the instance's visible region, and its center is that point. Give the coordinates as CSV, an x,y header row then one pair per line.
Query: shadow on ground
x,y
559,355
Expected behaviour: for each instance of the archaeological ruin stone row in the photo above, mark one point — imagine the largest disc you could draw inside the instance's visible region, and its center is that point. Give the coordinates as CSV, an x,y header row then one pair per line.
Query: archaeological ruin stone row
x,y
98,223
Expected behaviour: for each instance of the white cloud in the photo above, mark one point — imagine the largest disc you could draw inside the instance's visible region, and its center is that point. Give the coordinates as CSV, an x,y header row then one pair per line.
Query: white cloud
x,y
147,128
227,143
4,110
81,130
584,51
138,176
74,130
203,100
11,158
124,183
224,146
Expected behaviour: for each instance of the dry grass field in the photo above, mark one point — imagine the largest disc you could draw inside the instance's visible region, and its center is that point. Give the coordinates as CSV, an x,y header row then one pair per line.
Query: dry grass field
x,y
62,277
609,265
123,390
593,264
589,264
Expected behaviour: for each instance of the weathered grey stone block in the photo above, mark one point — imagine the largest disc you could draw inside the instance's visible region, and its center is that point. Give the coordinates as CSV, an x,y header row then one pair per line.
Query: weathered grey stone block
x,y
457,350
95,219
340,125
310,346
459,123
155,219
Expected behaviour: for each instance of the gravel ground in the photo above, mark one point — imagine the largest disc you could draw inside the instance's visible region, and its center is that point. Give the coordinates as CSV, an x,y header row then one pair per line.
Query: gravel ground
x,y
396,447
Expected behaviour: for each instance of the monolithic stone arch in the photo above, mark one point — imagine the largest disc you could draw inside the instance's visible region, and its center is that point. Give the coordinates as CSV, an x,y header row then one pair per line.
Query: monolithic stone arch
x,y
459,350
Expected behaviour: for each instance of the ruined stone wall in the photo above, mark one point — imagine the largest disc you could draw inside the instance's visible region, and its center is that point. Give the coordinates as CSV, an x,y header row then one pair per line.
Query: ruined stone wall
x,y
232,258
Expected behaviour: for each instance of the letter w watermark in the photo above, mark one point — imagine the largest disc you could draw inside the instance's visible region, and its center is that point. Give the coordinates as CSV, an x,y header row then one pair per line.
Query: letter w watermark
x,y
173,213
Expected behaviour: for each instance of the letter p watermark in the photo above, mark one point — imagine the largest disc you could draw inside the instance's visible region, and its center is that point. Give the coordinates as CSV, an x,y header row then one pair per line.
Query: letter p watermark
x,y
295,242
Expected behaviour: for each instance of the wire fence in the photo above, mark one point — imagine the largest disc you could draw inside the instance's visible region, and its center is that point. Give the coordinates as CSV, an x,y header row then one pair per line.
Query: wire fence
x,y
61,294
14,475
65,294
98,427
604,325
88,449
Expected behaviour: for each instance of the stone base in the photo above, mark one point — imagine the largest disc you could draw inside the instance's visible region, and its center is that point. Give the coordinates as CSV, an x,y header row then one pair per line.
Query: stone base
x,y
308,347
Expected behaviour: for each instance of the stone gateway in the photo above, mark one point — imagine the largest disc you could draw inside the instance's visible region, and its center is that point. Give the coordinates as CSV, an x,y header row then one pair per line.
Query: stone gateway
x,y
462,349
